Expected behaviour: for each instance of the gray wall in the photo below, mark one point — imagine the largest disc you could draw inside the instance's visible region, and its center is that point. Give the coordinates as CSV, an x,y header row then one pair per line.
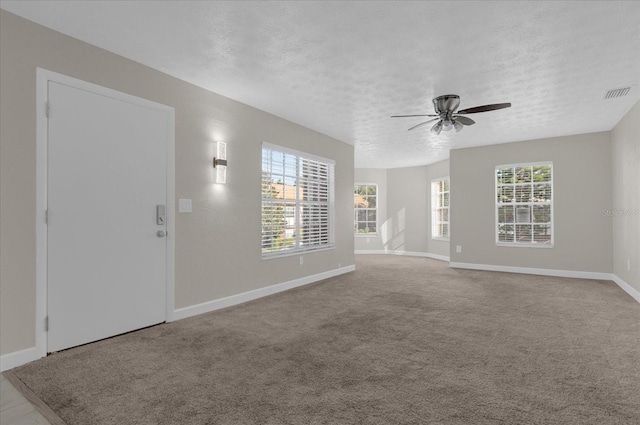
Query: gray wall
x,y
379,177
582,189
405,209
218,245
593,174
625,206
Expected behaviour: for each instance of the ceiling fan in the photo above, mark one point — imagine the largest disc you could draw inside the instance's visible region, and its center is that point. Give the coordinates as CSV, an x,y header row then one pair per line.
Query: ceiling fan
x,y
446,115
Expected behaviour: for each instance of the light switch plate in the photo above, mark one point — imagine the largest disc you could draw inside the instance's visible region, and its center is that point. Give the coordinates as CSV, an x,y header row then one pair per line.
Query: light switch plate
x,y
184,205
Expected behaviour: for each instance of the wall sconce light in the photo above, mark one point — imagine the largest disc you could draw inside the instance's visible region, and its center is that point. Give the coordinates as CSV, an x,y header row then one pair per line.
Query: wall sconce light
x,y
220,163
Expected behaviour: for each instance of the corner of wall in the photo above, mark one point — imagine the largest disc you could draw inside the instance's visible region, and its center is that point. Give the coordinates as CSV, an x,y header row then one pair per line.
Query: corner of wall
x,y
624,211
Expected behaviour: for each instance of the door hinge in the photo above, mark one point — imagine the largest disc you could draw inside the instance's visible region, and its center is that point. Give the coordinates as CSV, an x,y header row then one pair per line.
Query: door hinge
x,y
46,323
46,216
47,109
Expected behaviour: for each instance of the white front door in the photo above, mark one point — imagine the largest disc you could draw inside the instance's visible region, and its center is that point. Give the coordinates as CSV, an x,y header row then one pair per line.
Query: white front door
x,y
107,172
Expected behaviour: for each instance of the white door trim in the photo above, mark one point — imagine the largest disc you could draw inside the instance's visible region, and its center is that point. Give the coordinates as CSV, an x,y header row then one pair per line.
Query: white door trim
x,y
42,77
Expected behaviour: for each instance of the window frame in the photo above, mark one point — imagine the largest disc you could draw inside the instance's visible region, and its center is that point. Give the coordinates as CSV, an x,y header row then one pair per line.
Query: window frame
x,y
298,249
356,209
516,244
434,197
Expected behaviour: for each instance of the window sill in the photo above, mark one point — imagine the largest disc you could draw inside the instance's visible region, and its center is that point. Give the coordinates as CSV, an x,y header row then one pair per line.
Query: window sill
x,y
525,245
441,239
364,235
291,253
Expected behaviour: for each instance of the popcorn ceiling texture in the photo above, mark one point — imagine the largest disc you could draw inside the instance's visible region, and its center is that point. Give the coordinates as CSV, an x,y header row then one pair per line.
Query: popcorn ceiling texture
x,y
342,68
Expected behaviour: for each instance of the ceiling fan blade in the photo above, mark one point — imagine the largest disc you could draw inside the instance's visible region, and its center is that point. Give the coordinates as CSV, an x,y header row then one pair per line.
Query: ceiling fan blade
x,y
422,123
463,120
484,108
406,116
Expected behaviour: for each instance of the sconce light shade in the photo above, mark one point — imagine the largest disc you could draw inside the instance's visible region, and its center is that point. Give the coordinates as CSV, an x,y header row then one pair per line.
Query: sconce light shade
x,y
220,163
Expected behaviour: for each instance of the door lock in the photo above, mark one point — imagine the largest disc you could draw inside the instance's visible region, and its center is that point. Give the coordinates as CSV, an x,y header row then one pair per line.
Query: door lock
x,y
161,214
161,233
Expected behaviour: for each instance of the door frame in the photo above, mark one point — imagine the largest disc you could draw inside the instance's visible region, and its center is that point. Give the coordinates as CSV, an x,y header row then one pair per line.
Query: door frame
x,y
43,76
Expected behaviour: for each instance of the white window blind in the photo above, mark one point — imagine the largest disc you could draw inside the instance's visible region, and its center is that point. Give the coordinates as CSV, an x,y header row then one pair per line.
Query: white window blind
x,y
297,201
365,207
440,193
524,204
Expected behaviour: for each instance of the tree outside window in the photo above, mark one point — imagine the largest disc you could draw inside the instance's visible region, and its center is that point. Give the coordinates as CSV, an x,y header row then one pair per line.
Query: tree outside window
x,y
297,201
440,193
365,207
524,204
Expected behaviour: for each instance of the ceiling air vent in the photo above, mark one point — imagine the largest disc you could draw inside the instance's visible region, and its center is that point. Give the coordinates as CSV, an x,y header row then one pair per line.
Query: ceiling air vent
x,y
611,94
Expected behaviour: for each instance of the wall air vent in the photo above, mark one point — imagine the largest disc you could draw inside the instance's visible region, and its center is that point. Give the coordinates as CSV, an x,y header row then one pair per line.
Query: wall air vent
x,y
611,94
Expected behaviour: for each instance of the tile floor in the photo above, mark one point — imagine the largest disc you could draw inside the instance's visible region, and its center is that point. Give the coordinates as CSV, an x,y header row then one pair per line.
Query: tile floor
x,y
15,409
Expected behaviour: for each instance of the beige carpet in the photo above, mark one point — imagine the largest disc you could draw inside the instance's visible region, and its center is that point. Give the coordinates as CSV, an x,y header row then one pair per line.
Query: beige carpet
x,y
400,341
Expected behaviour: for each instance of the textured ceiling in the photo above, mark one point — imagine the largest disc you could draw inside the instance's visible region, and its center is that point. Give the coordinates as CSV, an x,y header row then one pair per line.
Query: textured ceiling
x,y
342,68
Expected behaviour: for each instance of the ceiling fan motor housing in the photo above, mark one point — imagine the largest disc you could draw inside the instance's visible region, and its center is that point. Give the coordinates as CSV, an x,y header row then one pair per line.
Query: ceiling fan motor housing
x,y
446,103
445,107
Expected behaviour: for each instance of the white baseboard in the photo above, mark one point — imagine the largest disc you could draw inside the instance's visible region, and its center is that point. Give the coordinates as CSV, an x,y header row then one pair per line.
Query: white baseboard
x,y
398,252
208,306
18,358
627,288
527,270
635,294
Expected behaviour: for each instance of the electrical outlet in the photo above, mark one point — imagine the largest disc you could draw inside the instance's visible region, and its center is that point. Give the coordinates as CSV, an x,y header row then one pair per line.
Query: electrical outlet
x,y
459,249
301,260
628,264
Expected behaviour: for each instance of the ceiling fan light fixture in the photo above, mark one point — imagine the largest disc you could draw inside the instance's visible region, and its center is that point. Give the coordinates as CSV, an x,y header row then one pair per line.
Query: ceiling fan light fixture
x,y
446,107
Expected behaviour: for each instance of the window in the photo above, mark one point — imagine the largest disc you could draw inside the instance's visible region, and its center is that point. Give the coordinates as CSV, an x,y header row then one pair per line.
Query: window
x,y
524,205
365,207
297,201
440,208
